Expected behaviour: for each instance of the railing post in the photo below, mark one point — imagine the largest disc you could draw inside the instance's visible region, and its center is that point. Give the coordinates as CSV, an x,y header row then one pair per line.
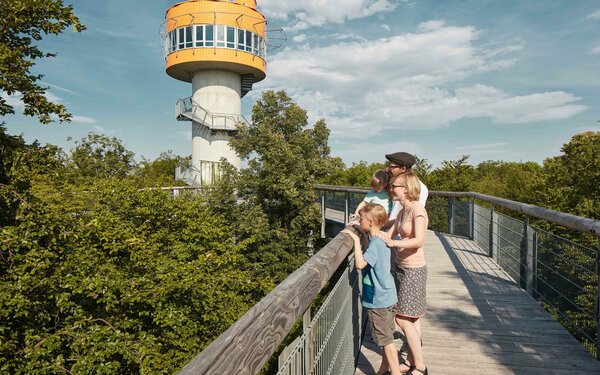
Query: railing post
x,y
471,221
309,344
346,214
492,251
597,343
525,272
323,214
450,216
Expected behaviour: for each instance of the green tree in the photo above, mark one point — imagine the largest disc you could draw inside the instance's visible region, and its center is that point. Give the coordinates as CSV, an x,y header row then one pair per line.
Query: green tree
x,y
572,179
117,279
454,175
22,24
285,159
161,170
98,156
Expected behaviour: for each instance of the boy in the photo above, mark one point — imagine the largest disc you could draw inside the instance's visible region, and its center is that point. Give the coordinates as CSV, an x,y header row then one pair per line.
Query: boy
x,y
379,290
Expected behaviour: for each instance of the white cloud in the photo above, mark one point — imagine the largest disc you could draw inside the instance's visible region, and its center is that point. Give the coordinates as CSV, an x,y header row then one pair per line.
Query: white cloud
x,y
430,25
299,38
58,88
305,14
386,27
408,81
595,15
83,119
595,50
484,149
13,100
353,152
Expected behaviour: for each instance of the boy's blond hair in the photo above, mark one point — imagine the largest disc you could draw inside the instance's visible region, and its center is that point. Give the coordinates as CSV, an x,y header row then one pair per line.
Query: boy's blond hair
x,y
375,212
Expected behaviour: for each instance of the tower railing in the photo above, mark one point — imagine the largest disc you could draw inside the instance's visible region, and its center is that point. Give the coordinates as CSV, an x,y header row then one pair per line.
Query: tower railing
x,y
206,173
188,109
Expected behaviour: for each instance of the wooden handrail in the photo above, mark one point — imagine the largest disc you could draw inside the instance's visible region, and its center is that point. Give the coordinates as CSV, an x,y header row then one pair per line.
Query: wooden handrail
x,y
574,222
247,345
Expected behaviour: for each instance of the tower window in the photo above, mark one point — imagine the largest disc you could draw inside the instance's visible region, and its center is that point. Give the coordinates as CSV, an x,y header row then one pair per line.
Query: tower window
x,y
199,36
249,41
230,37
209,36
181,39
220,36
188,37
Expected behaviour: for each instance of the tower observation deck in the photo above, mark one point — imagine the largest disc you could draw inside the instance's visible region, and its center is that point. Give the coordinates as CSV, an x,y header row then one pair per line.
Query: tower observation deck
x,y
220,47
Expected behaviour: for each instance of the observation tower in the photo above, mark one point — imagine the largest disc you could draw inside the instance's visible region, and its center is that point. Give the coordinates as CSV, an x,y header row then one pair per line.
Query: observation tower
x,y
219,46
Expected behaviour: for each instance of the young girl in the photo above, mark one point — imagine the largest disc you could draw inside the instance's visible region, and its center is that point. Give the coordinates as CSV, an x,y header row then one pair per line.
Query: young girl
x,y
379,292
379,194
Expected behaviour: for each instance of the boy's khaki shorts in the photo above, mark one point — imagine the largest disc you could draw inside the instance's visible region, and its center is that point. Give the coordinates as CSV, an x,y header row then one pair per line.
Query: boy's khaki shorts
x,y
382,325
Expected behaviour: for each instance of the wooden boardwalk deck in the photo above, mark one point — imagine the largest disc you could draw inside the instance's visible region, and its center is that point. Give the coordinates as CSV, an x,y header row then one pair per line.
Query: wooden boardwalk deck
x,y
480,322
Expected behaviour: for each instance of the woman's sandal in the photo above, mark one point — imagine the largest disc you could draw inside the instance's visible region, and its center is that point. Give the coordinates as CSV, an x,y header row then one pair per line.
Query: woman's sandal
x,y
413,369
409,368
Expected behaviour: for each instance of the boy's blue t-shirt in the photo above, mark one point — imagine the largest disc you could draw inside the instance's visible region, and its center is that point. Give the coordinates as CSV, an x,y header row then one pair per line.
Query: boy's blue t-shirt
x,y
379,290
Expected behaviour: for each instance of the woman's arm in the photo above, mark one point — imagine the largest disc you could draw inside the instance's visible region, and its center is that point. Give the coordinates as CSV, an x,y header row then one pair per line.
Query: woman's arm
x,y
420,225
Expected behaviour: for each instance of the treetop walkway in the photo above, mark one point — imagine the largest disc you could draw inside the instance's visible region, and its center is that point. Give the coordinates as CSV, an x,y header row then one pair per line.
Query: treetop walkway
x,y
496,284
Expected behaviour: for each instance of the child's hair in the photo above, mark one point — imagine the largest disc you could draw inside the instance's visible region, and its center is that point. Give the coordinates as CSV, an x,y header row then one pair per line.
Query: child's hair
x,y
380,180
375,212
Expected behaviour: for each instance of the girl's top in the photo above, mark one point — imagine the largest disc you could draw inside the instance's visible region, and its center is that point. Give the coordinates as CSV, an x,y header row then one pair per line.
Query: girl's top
x,y
379,289
410,257
381,198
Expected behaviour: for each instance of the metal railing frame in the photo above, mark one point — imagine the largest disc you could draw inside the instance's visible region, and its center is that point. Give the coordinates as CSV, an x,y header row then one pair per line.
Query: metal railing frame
x,y
524,261
189,109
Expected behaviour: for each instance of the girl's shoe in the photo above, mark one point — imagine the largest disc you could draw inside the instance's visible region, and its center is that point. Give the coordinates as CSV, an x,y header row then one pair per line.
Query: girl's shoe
x,y
423,371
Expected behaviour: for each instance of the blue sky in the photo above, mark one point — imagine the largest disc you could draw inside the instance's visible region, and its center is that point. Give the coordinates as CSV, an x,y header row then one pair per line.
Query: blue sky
x,y
498,80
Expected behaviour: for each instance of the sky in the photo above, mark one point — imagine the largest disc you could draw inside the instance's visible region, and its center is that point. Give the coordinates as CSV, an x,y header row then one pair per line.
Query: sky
x,y
497,80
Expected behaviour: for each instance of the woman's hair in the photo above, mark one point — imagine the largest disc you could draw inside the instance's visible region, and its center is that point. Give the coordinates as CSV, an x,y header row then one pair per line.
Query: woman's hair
x,y
375,212
380,180
412,182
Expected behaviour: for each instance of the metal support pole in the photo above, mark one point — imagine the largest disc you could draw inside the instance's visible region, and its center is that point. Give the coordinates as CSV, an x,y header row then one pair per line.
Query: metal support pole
x,y
471,216
450,216
524,262
598,302
491,234
346,214
323,214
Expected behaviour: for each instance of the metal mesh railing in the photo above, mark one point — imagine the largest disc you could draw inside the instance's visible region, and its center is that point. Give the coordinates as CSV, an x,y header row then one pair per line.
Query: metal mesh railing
x,y
556,271
331,342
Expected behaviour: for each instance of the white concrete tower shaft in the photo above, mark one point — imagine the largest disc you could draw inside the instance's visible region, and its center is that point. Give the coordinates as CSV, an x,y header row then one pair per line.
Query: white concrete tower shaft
x,y
219,92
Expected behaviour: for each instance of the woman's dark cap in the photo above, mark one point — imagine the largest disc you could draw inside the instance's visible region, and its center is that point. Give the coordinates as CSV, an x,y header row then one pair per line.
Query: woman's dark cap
x,y
403,159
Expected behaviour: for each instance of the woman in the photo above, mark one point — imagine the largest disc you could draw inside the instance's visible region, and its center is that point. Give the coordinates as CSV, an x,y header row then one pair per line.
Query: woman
x,y
410,272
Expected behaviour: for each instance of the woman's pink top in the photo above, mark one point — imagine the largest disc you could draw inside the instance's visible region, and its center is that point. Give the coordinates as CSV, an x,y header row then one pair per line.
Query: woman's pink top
x,y
405,226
